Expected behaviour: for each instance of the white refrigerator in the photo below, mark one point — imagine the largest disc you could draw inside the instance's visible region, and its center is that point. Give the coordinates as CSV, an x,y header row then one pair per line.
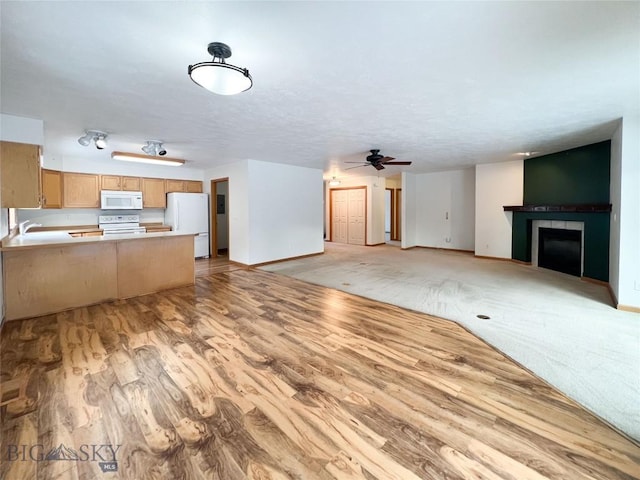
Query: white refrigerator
x,y
189,213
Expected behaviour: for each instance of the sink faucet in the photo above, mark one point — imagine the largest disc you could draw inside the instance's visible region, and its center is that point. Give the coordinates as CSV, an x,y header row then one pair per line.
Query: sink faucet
x,y
26,225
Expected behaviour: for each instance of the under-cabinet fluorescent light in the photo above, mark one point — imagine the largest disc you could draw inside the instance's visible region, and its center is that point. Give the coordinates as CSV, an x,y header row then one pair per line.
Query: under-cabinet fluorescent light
x,y
135,157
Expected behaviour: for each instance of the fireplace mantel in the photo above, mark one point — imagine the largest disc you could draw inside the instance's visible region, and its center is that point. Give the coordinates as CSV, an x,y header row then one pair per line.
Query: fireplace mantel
x,y
585,208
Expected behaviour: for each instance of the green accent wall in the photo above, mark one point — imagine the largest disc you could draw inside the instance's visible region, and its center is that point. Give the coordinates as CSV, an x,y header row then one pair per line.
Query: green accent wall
x,y
573,177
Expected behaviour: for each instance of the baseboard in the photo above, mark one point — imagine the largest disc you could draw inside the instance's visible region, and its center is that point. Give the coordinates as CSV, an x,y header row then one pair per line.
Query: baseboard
x,y
374,244
521,262
628,308
486,257
256,265
459,250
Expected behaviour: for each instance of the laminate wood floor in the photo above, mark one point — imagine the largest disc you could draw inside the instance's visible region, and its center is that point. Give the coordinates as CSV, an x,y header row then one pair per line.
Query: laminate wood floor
x,y
252,375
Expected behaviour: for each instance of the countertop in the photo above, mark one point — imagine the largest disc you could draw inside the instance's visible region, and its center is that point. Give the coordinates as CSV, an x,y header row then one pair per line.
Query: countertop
x,y
58,238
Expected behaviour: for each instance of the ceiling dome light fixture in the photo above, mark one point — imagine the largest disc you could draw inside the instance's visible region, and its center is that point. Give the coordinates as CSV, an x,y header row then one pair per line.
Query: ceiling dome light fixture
x,y
154,147
98,137
219,77
334,182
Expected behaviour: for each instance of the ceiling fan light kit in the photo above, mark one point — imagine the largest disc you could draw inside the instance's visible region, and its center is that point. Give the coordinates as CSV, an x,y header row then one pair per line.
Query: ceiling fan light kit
x,y
219,77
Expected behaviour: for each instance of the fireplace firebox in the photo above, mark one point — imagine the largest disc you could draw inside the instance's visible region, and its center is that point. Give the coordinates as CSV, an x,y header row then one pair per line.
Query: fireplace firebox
x,y
560,250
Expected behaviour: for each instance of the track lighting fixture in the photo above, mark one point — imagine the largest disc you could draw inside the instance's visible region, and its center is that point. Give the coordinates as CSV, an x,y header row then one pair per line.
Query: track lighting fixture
x,y
98,137
154,147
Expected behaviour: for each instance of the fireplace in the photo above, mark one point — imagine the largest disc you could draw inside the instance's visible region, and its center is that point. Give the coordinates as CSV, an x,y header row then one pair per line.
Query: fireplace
x,y
558,245
559,250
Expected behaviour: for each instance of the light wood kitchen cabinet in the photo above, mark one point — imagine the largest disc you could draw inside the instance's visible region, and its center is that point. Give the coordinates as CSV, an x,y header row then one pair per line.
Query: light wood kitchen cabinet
x,y
153,193
193,186
51,189
20,173
174,185
118,182
190,186
131,184
80,190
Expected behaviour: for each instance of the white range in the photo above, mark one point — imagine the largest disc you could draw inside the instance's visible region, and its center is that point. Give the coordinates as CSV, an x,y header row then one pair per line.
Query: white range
x,y
120,224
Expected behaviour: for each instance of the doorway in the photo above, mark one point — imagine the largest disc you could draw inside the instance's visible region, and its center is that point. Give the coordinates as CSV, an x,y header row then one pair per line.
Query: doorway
x,y
389,215
220,217
348,215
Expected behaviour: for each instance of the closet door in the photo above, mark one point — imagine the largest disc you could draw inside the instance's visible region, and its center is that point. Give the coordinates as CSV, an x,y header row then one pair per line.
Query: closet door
x,y
356,213
339,219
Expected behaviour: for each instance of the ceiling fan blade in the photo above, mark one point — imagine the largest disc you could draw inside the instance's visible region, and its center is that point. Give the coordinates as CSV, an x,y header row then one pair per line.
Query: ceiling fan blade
x,y
397,163
355,162
378,166
358,166
386,159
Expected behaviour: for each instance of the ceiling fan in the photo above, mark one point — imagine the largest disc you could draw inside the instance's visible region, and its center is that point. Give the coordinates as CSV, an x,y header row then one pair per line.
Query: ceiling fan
x,y
378,161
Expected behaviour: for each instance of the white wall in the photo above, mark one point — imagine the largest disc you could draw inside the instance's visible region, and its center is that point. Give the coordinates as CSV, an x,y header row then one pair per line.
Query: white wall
x,y
285,211
83,216
375,205
625,197
274,210
614,220
445,209
408,211
21,129
237,207
497,185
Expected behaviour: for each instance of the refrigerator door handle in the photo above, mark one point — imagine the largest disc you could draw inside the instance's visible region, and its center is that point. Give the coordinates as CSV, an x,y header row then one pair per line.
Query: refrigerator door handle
x,y
177,215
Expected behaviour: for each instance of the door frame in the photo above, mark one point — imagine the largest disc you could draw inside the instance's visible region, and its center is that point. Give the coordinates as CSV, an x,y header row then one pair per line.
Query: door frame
x,y
397,201
214,217
392,212
366,217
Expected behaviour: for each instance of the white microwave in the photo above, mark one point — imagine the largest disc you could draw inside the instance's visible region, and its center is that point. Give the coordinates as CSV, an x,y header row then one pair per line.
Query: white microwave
x,y
118,200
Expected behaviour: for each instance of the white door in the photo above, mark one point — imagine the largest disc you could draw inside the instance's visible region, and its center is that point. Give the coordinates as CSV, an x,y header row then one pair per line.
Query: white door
x,y
356,216
348,216
339,221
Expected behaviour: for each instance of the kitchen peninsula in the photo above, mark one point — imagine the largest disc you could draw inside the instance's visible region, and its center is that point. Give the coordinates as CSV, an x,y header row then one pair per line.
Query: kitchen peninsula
x,y
49,273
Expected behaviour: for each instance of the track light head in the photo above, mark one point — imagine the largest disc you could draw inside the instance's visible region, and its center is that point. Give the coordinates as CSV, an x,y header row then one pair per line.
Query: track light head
x,y
154,148
101,142
85,140
99,138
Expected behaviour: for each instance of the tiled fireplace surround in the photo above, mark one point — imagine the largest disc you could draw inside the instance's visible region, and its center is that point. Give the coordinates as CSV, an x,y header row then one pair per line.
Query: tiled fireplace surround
x,y
536,225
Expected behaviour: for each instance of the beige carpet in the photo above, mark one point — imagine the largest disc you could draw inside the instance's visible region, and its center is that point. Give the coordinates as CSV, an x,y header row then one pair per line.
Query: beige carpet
x,y
563,329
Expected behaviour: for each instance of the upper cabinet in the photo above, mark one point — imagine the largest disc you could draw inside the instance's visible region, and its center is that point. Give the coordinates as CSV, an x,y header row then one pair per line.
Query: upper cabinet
x,y
117,182
153,193
174,185
80,190
51,189
193,186
20,174
190,186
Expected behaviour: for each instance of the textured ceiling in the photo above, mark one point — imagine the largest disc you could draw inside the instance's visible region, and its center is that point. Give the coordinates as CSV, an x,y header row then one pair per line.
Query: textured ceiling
x,y
444,85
